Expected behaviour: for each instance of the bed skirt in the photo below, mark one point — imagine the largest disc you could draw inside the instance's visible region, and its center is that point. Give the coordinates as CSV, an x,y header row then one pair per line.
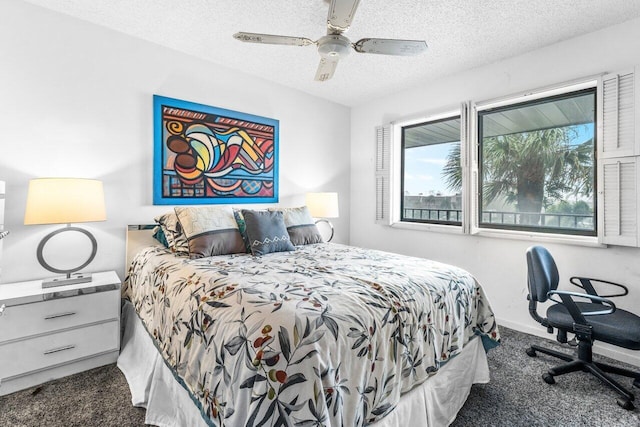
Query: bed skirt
x,y
154,387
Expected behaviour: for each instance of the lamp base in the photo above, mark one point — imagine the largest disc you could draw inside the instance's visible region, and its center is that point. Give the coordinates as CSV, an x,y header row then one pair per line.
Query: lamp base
x,y
66,280
330,225
71,277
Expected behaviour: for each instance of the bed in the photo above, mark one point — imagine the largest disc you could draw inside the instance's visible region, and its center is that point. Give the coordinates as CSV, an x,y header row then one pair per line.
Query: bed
x,y
324,335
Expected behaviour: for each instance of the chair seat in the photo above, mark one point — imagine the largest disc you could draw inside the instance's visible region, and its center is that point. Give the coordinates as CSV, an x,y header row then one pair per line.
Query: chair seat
x,y
620,328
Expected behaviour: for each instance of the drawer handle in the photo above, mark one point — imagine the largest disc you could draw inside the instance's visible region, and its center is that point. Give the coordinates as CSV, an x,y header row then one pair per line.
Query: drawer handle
x,y
2,307
56,350
55,316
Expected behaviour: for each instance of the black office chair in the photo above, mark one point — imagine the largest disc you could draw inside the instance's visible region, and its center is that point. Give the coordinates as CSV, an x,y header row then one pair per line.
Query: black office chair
x,y
596,319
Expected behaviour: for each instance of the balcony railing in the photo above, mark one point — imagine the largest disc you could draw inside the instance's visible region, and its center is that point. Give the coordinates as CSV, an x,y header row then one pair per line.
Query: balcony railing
x,y
545,220
449,215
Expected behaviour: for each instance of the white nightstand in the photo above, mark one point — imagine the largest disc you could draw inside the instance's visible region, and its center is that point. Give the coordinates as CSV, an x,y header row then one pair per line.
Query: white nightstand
x,y
51,333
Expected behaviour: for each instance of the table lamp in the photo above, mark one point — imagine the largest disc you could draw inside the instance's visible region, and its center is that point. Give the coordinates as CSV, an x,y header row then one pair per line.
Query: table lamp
x,y
65,201
323,206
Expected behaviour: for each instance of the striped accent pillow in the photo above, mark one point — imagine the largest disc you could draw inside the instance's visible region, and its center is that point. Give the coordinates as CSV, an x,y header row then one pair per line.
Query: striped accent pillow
x,y
210,230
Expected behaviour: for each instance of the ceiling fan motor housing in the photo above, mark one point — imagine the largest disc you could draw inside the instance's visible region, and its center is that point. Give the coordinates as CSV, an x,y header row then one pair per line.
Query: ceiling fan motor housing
x,y
334,46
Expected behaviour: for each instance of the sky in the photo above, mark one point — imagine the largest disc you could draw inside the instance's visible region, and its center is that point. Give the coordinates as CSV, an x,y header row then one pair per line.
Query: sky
x,y
423,165
423,169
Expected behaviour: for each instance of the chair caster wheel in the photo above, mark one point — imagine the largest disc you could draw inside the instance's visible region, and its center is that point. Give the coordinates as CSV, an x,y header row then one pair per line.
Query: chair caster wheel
x,y
531,352
548,378
625,404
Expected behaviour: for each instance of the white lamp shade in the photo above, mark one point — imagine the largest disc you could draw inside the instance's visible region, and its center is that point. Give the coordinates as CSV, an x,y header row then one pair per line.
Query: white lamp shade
x,y
323,205
64,201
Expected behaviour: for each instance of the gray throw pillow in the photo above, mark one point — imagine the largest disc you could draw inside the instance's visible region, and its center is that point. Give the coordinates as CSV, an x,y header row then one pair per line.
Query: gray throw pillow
x,y
300,225
266,232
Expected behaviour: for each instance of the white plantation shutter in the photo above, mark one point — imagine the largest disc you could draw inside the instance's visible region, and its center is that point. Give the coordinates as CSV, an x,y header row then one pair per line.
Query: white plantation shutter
x,y
618,201
618,118
383,175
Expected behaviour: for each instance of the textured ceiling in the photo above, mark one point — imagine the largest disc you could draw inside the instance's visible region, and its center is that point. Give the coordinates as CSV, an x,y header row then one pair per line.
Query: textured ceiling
x,y
461,34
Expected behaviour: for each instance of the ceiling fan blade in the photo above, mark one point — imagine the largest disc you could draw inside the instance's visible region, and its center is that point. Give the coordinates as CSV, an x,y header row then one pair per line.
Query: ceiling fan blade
x,y
272,39
326,68
341,14
391,46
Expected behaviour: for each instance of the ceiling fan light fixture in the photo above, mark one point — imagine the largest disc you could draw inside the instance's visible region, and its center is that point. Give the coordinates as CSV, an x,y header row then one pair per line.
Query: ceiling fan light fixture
x,y
334,46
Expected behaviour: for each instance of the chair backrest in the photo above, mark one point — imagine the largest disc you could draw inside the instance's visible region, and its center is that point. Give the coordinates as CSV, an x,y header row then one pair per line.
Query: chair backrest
x,y
542,273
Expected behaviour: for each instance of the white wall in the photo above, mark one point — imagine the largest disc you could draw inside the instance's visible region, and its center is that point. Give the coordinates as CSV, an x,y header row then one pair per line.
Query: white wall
x,y
76,100
499,264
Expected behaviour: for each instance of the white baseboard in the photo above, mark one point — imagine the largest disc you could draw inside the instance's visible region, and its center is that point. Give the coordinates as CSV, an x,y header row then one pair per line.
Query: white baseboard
x,y
628,356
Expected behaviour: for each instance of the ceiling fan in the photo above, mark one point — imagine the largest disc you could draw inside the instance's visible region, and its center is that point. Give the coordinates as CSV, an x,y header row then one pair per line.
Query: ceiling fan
x,y
334,45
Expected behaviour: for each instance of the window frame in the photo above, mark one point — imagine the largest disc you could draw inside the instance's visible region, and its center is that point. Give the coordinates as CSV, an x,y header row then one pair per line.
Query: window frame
x,y
541,93
593,90
402,128
394,200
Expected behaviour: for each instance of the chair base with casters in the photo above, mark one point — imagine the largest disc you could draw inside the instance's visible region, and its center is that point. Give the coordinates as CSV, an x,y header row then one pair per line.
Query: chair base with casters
x,y
584,363
596,320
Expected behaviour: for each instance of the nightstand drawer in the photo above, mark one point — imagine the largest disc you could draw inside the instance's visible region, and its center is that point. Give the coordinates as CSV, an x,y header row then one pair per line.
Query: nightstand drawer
x,y
25,320
22,357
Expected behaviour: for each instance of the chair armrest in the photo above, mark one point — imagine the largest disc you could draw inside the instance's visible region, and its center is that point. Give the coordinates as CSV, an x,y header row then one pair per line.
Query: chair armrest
x,y
567,301
586,283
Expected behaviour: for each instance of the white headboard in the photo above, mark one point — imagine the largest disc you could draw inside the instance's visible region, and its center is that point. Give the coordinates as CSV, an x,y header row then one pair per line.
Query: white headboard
x,y
138,237
1,219
1,205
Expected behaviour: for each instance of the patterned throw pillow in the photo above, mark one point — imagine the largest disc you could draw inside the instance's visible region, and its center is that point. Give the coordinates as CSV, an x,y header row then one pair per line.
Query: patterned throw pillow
x,y
210,230
266,232
300,225
242,226
158,234
176,240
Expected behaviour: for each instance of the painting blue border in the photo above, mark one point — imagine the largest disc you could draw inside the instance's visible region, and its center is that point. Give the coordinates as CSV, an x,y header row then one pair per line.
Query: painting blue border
x,y
159,199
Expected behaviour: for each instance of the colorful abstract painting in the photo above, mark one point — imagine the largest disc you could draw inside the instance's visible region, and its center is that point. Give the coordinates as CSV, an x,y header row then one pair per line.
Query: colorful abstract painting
x,y
207,155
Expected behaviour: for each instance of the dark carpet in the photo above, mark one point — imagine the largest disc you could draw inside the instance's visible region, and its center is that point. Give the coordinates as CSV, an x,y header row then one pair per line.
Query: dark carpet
x,y
516,396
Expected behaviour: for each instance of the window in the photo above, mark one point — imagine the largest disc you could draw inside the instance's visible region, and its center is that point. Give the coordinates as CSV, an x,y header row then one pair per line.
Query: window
x,y
557,164
431,177
537,168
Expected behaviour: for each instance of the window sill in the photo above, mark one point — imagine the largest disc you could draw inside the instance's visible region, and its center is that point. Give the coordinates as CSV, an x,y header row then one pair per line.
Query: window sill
x,y
419,226
591,241
503,234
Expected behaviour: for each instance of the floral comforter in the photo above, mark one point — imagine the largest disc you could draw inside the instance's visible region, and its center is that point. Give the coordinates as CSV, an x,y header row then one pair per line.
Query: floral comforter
x,y
327,335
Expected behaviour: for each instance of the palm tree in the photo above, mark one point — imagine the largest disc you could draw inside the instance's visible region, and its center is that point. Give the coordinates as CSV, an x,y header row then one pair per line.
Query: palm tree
x,y
531,169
